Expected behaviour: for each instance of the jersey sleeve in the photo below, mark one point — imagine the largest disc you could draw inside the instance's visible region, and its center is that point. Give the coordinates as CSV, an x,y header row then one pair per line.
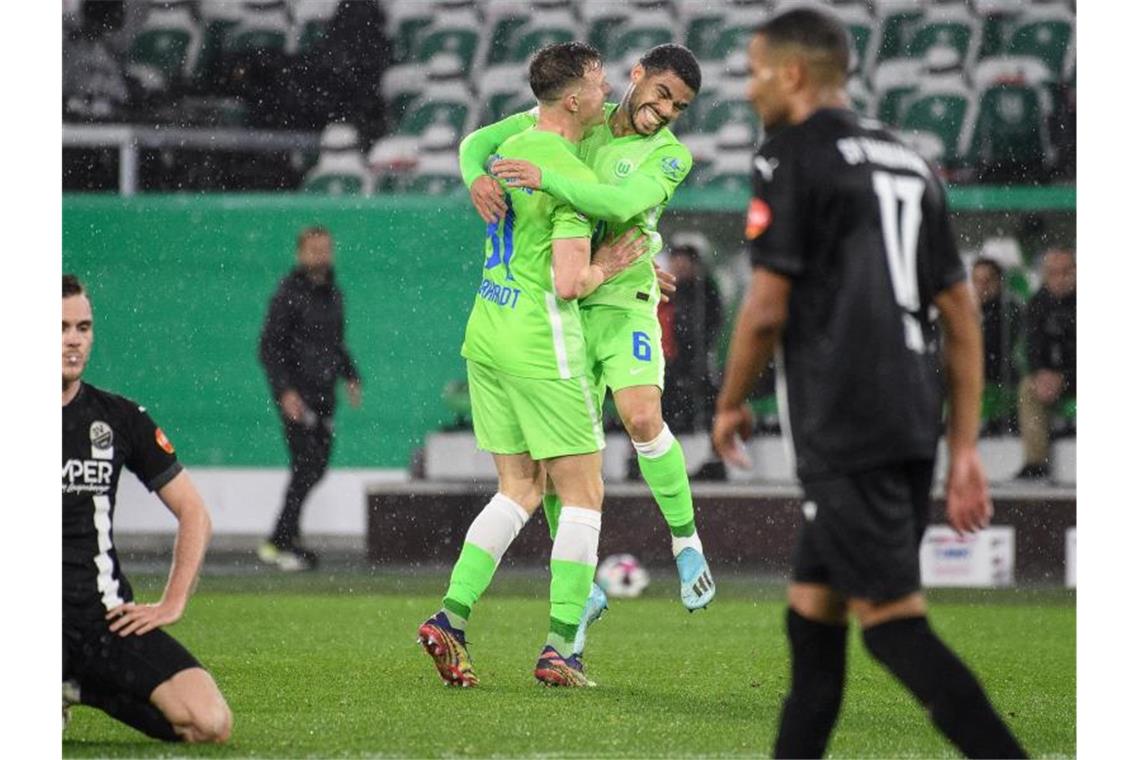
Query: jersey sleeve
x,y
772,226
478,146
568,222
651,185
151,455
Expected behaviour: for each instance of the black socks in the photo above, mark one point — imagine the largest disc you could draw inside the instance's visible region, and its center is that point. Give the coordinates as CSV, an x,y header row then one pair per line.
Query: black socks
x,y
819,662
136,713
944,685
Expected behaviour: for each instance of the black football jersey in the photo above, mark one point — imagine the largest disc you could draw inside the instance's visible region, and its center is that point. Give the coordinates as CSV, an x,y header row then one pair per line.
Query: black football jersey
x,y
860,225
103,432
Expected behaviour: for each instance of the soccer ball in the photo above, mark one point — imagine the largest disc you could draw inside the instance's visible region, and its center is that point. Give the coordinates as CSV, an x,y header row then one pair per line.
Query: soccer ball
x,y
622,576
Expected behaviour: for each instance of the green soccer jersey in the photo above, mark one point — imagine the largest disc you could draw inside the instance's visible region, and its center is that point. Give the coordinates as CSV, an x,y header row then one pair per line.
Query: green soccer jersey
x,y
518,324
637,176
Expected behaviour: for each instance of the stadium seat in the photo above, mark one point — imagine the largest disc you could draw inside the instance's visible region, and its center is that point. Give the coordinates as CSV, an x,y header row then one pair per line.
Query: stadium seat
x,y
897,21
701,23
264,25
437,173
861,98
728,111
445,37
340,169
603,19
892,82
438,106
167,43
862,29
1045,33
502,21
1008,133
639,35
935,119
392,160
218,17
997,19
499,86
946,26
310,17
734,36
405,23
538,34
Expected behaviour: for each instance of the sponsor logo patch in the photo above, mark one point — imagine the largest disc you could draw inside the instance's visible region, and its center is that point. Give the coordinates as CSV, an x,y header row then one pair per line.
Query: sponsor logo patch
x,y
101,435
162,441
759,217
673,168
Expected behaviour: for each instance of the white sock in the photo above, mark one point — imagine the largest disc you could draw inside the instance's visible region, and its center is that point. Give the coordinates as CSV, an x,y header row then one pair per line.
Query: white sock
x,y
577,537
496,526
658,447
685,542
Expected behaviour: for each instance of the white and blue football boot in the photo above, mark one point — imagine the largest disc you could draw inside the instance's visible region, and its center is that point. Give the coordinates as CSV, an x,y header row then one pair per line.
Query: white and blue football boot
x,y
596,604
697,586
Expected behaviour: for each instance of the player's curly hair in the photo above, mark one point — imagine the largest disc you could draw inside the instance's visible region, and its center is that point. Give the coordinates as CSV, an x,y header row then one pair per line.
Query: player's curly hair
x,y
556,66
72,286
676,58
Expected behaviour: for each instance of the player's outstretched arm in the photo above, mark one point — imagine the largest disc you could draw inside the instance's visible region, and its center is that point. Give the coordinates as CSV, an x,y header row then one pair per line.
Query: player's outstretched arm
x,y
475,149
759,326
968,505
615,203
181,497
576,276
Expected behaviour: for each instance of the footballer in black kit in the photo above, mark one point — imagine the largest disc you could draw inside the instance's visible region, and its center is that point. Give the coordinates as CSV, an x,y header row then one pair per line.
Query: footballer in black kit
x,y
855,270
116,657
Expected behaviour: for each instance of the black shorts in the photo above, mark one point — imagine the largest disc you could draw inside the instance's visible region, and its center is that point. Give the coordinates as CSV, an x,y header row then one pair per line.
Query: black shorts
x,y
132,664
862,531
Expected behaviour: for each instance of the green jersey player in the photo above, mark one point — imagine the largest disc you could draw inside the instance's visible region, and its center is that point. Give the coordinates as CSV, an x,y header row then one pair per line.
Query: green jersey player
x,y
639,164
526,368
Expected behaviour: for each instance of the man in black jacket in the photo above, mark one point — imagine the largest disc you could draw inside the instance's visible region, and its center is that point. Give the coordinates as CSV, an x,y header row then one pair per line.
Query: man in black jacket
x,y
303,351
1002,333
1051,330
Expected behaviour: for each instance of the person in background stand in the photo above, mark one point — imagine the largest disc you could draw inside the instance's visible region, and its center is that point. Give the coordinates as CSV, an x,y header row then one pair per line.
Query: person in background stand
x,y
303,351
1001,335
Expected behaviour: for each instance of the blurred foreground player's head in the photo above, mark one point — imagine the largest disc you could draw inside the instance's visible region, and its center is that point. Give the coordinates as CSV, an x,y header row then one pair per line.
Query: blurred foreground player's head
x,y
78,330
570,77
314,253
662,85
799,64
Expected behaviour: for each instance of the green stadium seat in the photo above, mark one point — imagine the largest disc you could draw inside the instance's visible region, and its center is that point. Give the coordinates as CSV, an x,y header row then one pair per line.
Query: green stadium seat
x,y
862,29
504,19
436,107
167,42
893,82
1009,128
998,18
861,98
701,25
406,22
531,38
603,20
951,27
219,17
638,36
897,21
340,168
1046,34
500,87
728,111
263,26
733,37
934,121
310,18
443,38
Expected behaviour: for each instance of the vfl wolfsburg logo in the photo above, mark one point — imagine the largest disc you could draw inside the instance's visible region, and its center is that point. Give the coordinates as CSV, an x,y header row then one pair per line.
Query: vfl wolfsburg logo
x,y
623,168
101,435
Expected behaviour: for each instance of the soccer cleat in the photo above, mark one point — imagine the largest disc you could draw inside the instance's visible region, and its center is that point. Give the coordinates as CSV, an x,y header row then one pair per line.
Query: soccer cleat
x,y
555,670
596,604
447,647
697,586
291,559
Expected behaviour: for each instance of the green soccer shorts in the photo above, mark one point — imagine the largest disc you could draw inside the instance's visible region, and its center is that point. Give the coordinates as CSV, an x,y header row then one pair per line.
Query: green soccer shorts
x,y
623,348
545,418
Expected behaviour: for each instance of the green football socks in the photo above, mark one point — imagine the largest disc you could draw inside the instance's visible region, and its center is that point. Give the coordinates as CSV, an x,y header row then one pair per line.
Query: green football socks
x,y
662,464
573,559
488,538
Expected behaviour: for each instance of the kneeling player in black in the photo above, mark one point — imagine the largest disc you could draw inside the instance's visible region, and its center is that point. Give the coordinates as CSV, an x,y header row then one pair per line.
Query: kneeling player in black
x,y
852,253
116,657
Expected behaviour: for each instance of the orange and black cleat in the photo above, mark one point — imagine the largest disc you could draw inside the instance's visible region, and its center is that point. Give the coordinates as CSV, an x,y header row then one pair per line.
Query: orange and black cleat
x,y
447,647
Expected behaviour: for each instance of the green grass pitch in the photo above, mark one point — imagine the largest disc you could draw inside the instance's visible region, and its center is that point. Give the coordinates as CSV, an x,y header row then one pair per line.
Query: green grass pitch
x,y
326,665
